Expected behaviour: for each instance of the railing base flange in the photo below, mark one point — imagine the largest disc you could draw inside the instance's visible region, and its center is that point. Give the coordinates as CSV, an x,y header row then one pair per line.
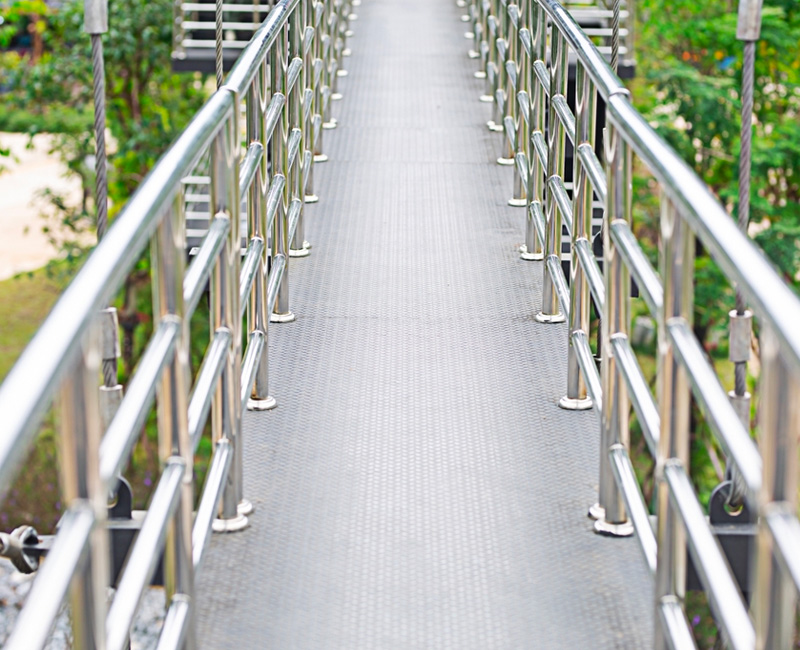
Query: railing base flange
x,y
602,527
575,404
596,512
505,162
518,203
233,525
262,404
529,257
288,317
541,317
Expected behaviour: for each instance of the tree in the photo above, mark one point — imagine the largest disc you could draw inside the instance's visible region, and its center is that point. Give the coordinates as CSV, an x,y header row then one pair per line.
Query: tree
x,y
694,74
147,107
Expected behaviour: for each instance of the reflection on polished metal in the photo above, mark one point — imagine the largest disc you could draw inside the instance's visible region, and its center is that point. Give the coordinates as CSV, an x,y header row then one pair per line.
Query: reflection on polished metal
x,y
550,318
528,256
519,57
597,512
603,527
575,404
235,524
278,107
262,404
288,317
286,79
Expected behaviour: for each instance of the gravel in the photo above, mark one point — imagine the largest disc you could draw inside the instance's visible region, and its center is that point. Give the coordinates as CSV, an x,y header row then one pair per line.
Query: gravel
x,y
14,588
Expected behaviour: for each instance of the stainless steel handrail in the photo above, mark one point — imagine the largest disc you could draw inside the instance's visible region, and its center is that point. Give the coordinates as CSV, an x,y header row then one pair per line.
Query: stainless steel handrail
x,y
285,78
526,72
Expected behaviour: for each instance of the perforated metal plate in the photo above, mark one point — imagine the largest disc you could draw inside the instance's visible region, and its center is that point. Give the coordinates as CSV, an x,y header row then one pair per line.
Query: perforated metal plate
x,y
418,487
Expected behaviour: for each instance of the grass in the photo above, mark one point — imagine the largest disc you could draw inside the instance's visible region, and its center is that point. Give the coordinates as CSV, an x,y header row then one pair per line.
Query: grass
x,y
25,301
49,119
34,497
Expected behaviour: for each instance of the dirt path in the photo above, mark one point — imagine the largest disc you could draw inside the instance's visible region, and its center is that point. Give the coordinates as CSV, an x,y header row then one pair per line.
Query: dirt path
x,y
23,246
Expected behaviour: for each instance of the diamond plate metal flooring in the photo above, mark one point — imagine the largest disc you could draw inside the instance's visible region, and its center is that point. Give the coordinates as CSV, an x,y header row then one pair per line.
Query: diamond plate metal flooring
x,y
418,487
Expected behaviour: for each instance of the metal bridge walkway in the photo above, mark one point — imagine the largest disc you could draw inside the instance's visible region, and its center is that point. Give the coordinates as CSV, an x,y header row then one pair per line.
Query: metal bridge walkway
x,y
418,486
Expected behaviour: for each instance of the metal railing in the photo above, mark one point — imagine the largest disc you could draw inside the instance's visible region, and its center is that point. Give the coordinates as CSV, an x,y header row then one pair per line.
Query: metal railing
x,y
284,78
525,51
198,33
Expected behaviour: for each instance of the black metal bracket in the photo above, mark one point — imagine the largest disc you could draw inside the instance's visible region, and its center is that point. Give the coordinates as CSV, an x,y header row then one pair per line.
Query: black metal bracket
x,y
736,533
123,525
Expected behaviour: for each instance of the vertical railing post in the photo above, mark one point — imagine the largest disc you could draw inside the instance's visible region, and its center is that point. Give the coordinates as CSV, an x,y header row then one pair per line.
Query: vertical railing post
x,y
508,93
224,313
321,92
775,599
168,250
532,248
556,162
298,247
520,198
482,46
343,32
331,63
677,273
583,194
80,482
310,58
501,54
474,35
492,71
258,310
612,518
178,51
280,165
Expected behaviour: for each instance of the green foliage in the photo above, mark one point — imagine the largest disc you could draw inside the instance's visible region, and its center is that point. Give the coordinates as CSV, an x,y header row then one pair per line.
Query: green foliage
x,y
147,104
690,75
23,14
692,64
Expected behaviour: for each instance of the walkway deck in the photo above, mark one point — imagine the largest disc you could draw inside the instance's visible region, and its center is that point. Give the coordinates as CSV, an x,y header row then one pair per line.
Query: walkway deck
x,y
418,487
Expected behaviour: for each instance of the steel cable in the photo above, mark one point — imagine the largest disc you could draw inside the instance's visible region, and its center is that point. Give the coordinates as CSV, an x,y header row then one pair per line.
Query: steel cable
x,y
101,168
748,72
737,491
615,35
218,44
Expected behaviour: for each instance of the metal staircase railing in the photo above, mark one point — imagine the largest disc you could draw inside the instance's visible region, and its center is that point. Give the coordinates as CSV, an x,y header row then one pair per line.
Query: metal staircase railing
x,y
527,75
284,77
194,33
